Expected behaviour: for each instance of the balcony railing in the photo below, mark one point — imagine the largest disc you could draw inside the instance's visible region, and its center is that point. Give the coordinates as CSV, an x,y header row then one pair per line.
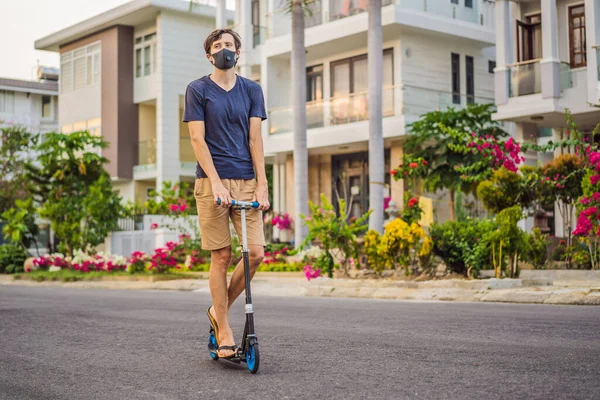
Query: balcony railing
x,y
565,76
397,100
526,77
186,151
147,152
481,13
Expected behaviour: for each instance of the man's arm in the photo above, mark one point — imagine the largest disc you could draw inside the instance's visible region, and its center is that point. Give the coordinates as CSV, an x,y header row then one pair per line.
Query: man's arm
x,y
204,157
258,159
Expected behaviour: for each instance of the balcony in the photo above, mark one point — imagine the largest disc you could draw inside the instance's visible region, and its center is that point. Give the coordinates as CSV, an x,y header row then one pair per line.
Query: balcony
x,y
146,155
397,100
526,78
325,11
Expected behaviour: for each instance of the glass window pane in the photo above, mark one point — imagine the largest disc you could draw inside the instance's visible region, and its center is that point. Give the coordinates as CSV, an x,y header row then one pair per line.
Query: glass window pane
x,y
319,87
66,77
2,101
360,75
154,65
138,63
388,70
341,80
80,73
96,68
146,60
89,70
149,37
138,40
46,106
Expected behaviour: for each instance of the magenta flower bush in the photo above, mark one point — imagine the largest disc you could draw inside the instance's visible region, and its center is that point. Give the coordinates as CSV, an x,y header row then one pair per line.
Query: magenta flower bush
x,y
282,221
311,273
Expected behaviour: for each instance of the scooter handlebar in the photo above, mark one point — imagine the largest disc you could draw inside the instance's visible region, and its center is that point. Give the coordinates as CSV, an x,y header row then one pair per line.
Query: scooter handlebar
x,y
237,203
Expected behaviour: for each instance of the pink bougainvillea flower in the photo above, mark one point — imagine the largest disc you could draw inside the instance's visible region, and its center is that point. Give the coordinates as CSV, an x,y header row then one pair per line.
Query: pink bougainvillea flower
x,y
594,179
173,207
413,165
154,226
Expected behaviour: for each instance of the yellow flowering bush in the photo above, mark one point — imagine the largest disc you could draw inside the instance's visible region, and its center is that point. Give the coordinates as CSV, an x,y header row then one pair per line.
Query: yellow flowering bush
x,y
400,245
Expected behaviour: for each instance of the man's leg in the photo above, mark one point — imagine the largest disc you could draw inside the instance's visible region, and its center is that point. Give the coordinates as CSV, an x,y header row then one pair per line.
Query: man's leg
x,y
217,281
237,283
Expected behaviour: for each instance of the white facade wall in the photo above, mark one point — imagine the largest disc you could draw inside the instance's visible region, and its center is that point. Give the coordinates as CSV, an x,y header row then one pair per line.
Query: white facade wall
x,y
80,105
180,60
27,112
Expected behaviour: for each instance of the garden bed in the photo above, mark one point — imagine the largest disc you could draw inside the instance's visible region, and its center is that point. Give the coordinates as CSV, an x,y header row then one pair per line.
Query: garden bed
x,y
74,276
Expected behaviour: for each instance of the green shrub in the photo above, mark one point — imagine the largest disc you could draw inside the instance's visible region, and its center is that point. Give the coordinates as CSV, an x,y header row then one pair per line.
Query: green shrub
x,y
457,244
12,258
538,249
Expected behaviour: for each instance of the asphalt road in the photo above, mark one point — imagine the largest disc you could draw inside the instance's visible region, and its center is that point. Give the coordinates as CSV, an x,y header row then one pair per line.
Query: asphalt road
x,y
58,343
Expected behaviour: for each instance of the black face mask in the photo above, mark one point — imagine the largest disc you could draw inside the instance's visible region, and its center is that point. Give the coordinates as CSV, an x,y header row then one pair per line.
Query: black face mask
x,y
224,59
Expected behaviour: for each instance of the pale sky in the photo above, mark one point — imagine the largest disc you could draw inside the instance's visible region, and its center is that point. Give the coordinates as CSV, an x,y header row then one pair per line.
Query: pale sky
x,y
22,22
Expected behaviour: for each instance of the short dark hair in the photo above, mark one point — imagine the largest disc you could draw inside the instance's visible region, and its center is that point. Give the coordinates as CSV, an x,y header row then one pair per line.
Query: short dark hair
x,y
216,35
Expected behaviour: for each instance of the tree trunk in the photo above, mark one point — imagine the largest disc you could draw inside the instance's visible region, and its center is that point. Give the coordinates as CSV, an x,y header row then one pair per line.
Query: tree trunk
x,y
299,107
376,150
452,205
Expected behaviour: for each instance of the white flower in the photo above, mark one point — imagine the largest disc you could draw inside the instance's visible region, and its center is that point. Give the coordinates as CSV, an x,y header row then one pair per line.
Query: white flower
x,y
313,252
54,268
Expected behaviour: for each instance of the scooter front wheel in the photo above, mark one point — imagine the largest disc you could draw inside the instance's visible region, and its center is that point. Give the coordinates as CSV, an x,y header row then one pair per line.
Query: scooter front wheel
x,y
212,346
252,358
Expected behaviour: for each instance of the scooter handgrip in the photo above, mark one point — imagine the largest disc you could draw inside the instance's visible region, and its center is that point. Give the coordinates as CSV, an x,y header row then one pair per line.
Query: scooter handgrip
x,y
255,204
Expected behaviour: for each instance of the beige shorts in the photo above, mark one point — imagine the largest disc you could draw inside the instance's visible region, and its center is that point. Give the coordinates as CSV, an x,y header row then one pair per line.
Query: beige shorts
x,y
214,220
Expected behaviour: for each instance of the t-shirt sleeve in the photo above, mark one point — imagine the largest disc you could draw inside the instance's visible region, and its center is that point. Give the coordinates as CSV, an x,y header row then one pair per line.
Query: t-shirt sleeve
x,y
194,105
257,103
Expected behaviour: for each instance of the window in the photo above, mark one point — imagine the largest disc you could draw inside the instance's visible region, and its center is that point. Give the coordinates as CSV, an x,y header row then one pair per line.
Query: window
x,y
491,66
7,101
469,3
454,1
46,107
349,88
255,10
314,83
529,35
80,68
351,75
469,64
145,55
577,36
455,78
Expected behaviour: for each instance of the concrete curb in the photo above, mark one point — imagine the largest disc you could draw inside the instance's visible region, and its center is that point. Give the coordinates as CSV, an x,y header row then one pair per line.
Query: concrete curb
x,y
489,290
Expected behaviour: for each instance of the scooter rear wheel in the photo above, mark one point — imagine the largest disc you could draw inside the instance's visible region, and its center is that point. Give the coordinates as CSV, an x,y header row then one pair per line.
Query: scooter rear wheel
x,y
252,358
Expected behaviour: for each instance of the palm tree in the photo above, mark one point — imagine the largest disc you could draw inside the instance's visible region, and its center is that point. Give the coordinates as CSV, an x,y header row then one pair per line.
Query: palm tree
x,y
299,109
376,149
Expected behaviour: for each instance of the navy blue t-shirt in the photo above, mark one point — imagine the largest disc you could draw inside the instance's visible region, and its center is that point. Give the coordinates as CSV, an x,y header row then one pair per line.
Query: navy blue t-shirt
x,y
226,117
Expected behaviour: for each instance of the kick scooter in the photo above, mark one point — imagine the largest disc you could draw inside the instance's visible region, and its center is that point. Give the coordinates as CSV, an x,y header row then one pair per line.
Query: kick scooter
x,y
248,353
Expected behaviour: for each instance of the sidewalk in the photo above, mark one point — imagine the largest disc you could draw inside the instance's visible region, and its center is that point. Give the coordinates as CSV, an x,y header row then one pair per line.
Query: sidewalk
x,y
294,284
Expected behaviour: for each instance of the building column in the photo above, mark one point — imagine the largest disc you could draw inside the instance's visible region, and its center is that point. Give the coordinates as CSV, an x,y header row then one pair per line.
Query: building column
x,y
221,17
592,32
244,28
167,117
504,51
396,187
550,64
276,195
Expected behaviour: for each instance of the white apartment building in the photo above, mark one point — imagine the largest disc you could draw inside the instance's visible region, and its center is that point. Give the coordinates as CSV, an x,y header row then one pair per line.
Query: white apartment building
x,y
124,75
30,104
548,59
437,54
